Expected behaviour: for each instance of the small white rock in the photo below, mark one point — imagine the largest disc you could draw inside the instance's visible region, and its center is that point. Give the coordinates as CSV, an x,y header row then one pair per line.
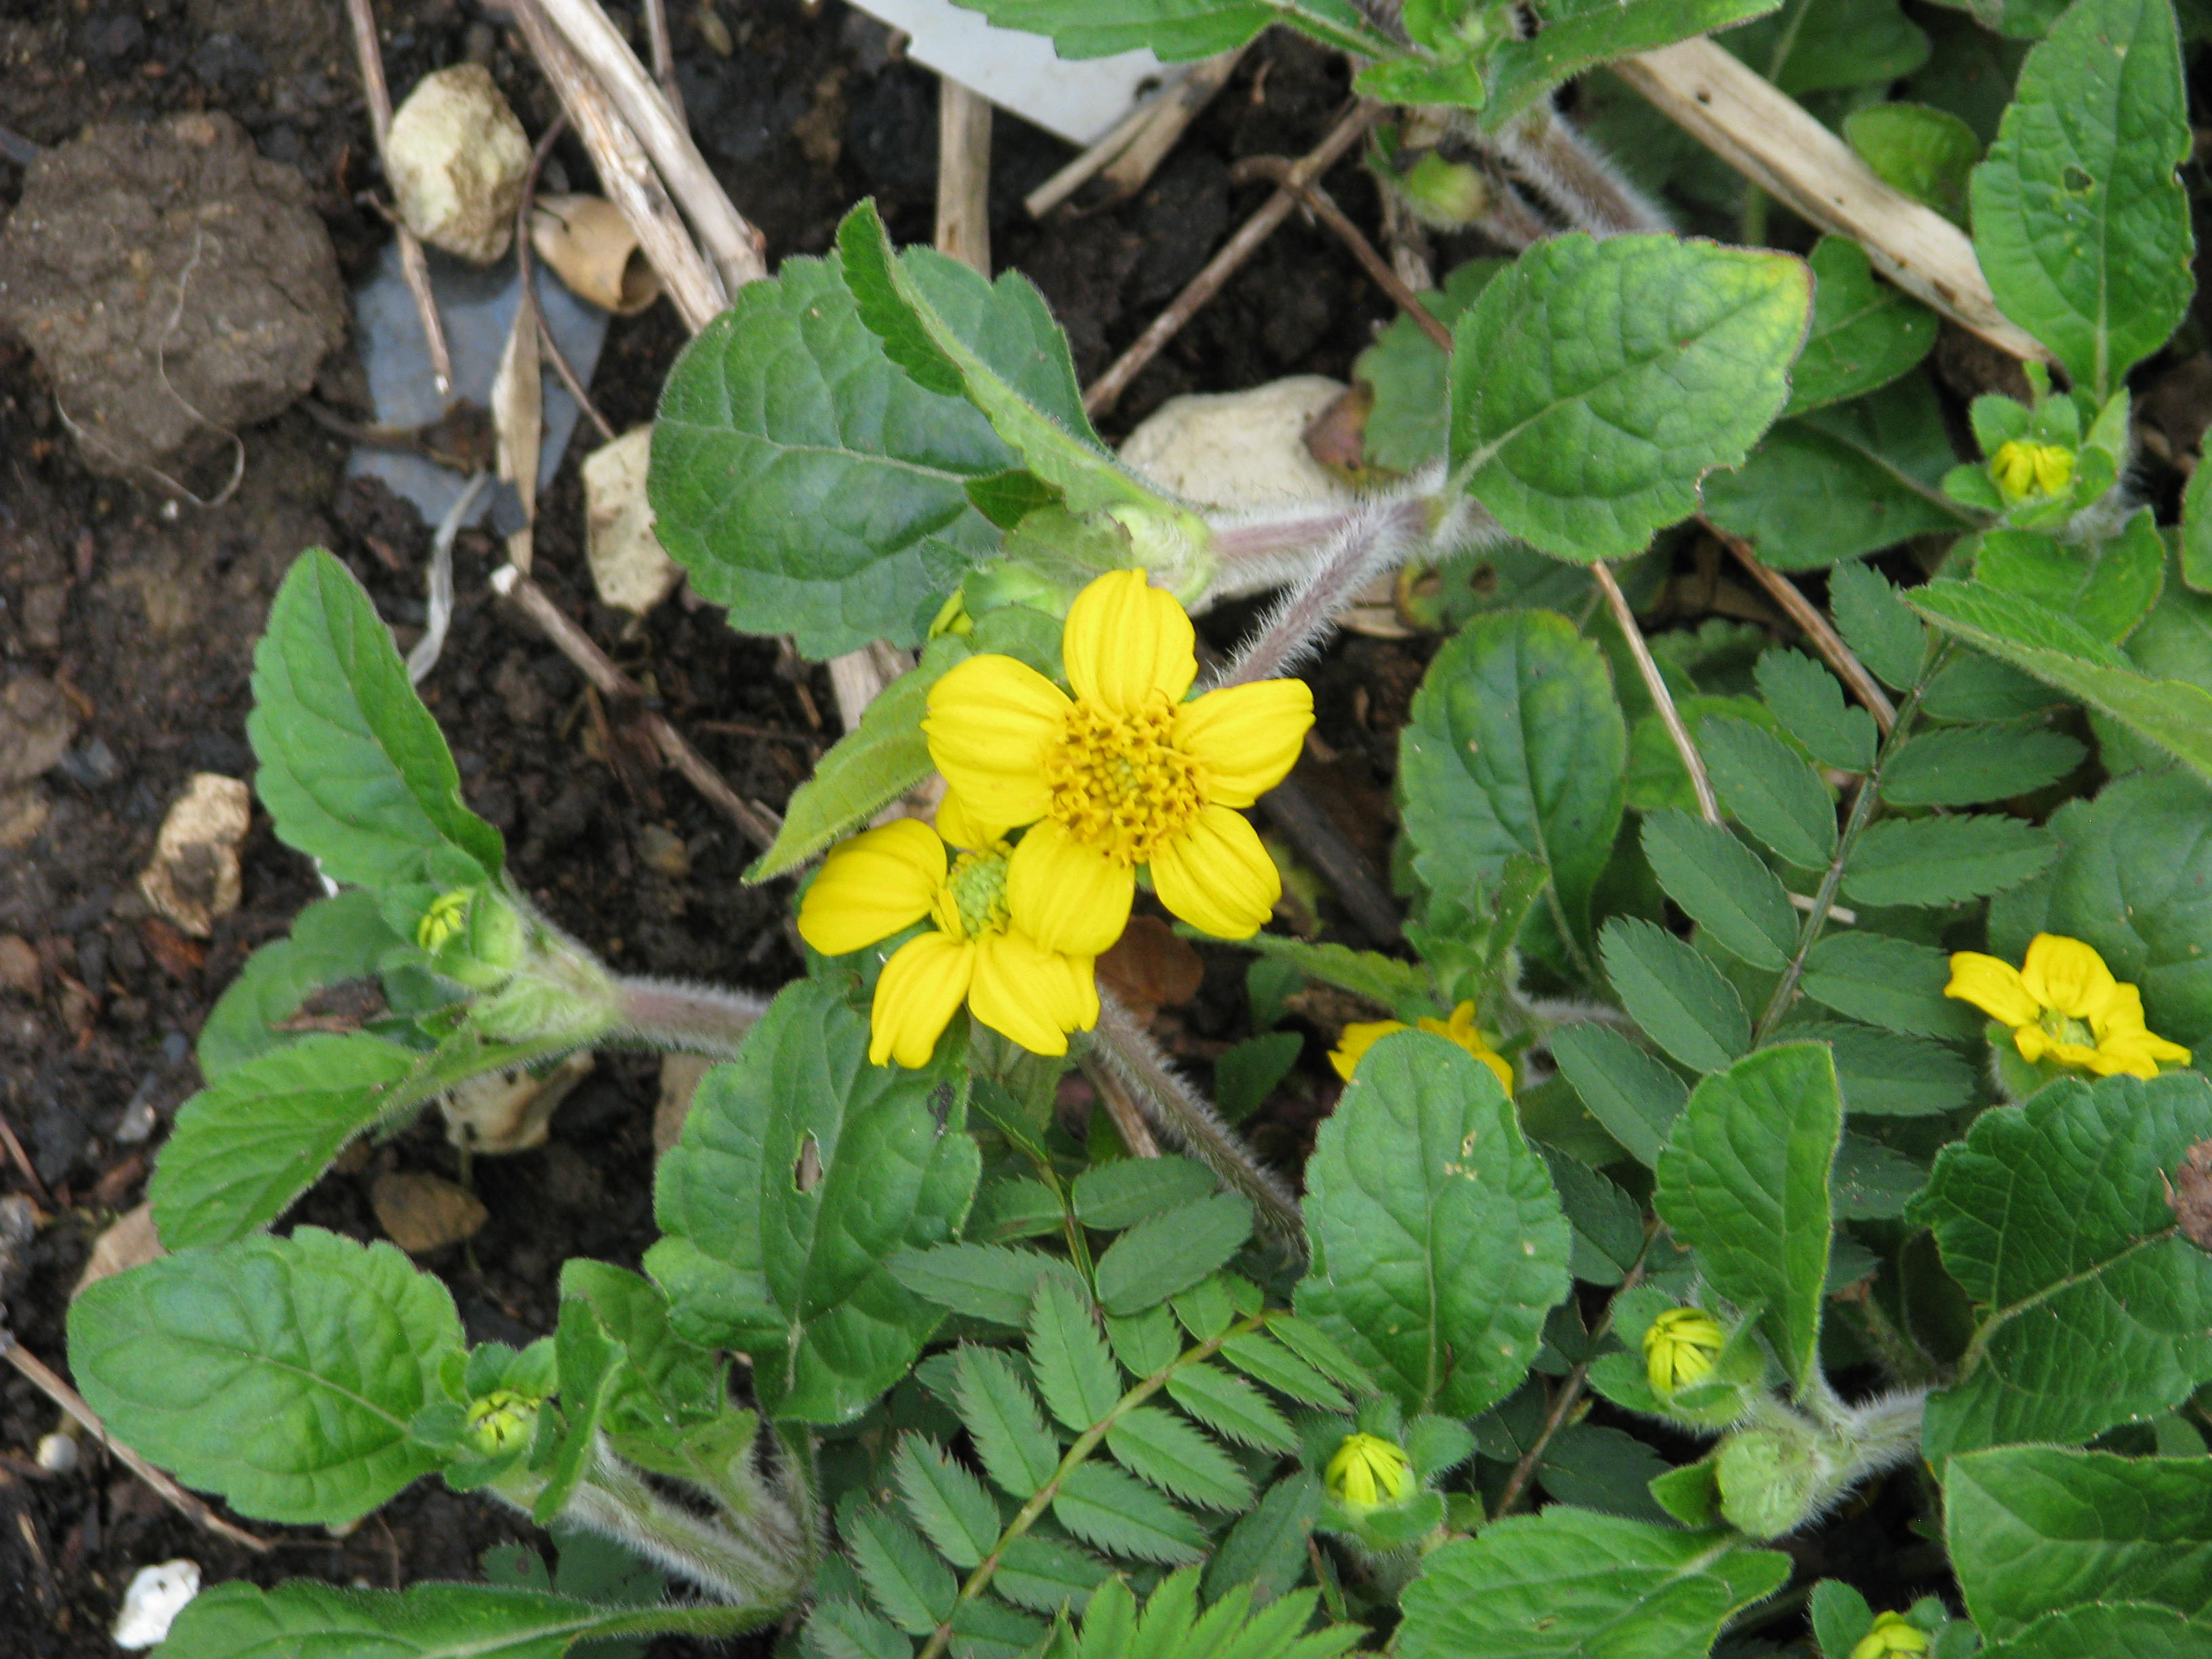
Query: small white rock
x,y
157,1594
456,159
56,1453
628,566
193,879
1239,449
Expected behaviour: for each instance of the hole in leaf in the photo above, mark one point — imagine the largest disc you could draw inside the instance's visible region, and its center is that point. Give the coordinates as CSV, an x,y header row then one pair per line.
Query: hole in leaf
x,y
807,1168
2078,181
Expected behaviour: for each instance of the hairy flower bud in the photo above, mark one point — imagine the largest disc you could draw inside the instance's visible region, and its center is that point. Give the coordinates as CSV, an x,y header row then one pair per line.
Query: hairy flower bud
x,y
2026,469
1369,1472
475,937
1893,1634
1679,1346
502,1420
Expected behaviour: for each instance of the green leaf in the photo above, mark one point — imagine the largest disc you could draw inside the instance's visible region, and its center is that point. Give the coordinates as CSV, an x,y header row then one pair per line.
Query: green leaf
x,y
2173,713
1944,860
1893,983
281,1373
1603,1468
1864,333
913,1588
1769,789
1929,154
2139,1630
1001,1415
794,1275
1872,1181
591,1367
1832,47
1074,1371
949,1504
353,770
1046,1574
1840,1617
1408,374
1608,1224
1594,383
1264,1358
1515,746
1571,1584
868,767
1179,29
1159,1447
2079,221
1962,766
1810,703
2107,587
1268,1548
1167,1254
303,1617
1230,1406
1103,1506
2053,1217
1674,994
1112,1196
333,940
2135,882
2196,534
1973,687
1245,1073
840,1629
670,1384
1842,481
265,1129
1633,1095
1874,622
1886,1074
1369,973
984,1281
807,483
1722,886
2034,1529
1438,1245
953,331
1579,34
1744,1182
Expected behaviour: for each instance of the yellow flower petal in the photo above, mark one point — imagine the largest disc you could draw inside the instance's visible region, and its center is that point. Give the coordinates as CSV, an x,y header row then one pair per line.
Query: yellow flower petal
x,y
1245,737
2067,975
1027,993
2032,1042
968,830
871,886
1217,876
920,989
989,720
1125,640
1356,1039
1994,987
1067,897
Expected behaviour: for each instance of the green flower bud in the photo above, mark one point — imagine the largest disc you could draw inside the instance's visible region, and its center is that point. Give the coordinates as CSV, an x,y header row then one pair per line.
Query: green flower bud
x,y
1447,195
501,1421
475,937
1769,1479
1369,1472
1679,1346
1893,1634
2027,469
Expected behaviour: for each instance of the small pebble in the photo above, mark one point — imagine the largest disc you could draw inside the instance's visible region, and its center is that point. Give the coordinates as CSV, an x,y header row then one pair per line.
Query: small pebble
x,y
56,1453
157,1594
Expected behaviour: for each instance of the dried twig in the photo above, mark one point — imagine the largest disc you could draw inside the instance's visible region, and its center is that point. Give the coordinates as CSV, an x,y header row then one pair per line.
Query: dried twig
x,y
757,822
526,265
963,174
1121,1106
734,246
663,49
1767,137
48,1383
1219,270
1709,806
1168,117
21,1160
412,264
1816,626
1570,1391
626,174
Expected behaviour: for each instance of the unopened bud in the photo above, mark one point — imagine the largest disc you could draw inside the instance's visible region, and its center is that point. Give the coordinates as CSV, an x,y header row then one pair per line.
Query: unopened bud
x,y
1893,1634
1448,195
474,936
1680,1348
1369,1472
2023,471
501,1421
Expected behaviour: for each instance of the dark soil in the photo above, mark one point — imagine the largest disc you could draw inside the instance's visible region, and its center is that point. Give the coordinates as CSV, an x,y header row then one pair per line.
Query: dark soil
x,y
144,616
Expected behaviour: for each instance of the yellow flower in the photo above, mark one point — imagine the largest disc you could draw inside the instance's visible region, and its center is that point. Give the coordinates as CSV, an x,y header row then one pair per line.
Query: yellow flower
x,y
1679,1346
1892,1633
1460,1028
1368,1471
1122,773
2064,1005
2024,470
447,915
883,881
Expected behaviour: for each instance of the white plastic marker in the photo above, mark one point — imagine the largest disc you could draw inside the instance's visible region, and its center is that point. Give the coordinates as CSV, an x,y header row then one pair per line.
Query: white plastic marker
x,y
1079,99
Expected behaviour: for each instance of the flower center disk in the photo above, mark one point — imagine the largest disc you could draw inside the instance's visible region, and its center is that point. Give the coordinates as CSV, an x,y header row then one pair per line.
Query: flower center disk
x,y
1118,783
973,899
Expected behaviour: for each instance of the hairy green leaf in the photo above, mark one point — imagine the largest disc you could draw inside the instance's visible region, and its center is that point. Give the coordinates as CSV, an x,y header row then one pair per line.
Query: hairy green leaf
x,y
1962,766
1112,1196
1874,621
1810,703
333,940
1001,1415
1888,1075
1674,994
1168,1253
1579,34
984,1281
1230,1406
1864,333
1103,1506
1074,1371
1769,789
1722,886
1943,861
1633,1095
949,1504
1161,1448
1893,983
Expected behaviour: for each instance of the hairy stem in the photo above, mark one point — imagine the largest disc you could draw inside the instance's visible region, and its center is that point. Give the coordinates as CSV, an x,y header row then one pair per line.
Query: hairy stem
x,y
1182,1115
699,1019
1563,168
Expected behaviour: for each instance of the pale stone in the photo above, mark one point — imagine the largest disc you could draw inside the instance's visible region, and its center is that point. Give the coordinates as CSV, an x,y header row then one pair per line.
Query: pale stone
x,y
507,1111
424,1212
1239,450
630,568
194,876
456,158
157,1594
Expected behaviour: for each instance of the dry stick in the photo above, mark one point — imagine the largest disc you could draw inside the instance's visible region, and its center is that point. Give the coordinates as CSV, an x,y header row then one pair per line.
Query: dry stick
x,y
1816,626
734,246
21,1160
663,49
1223,266
1167,119
1709,806
412,265
526,266
757,822
48,1383
626,174
1121,1106
1767,137
964,175
1087,166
